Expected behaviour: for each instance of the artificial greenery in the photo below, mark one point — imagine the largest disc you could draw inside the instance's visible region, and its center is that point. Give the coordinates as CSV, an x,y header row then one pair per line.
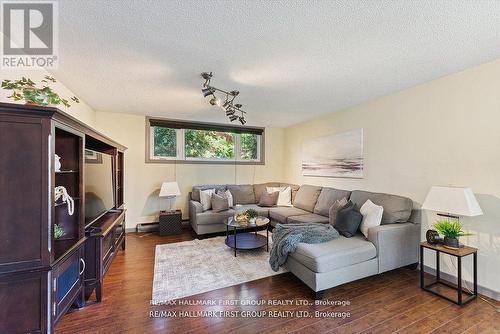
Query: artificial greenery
x,y
43,95
251,213
450,229
58,231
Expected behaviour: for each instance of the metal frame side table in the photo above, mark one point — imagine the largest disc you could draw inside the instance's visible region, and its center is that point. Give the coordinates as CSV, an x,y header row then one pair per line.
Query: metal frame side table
x,y
247,240
459,254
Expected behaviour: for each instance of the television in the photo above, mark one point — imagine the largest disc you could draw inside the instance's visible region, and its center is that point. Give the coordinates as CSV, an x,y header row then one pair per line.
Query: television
x,y
99,190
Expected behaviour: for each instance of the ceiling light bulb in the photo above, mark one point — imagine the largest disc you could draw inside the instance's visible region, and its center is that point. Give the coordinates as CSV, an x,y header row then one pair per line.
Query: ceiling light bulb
x,y
215,101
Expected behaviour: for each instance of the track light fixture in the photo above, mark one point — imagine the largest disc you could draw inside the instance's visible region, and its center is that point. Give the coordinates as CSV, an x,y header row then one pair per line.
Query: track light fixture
x,y
230,108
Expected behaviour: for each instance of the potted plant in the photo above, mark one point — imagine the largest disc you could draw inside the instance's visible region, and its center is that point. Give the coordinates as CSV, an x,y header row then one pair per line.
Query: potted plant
x,y
43,95
252,215
58,232
451,232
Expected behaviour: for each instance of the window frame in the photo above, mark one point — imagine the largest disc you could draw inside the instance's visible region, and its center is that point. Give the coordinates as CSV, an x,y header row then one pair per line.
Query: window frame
x,y
181,126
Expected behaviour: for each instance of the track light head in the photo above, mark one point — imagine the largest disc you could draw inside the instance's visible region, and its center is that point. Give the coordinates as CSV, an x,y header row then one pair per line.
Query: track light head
x,y
207,91
242,120
207,75
233,118
234,92
230,112
238,105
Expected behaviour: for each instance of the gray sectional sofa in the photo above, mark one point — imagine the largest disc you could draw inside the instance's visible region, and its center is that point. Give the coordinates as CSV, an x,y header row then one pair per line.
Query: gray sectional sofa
x,y
391,245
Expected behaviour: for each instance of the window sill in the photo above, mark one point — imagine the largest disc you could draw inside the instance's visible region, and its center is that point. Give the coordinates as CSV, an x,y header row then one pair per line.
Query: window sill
x,y
205,162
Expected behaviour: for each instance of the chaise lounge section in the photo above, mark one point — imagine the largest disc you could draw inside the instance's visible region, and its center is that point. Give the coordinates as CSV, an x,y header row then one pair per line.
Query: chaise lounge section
x,y
391,245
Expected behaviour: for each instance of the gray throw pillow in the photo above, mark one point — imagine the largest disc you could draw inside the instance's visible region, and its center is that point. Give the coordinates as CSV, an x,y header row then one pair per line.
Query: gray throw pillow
x,y
219,203
269,199
334,209
348,220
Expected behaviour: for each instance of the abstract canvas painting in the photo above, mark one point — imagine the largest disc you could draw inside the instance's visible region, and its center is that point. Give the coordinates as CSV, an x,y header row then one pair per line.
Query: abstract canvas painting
x,y
339,155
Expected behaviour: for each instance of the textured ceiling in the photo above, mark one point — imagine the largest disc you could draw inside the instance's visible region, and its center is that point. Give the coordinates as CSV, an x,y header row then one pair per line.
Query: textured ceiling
x,y
291,60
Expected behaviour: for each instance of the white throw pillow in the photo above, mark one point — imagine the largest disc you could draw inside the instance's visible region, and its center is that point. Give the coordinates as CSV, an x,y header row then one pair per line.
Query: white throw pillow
x,y
206,198
230,200
372,216
285,196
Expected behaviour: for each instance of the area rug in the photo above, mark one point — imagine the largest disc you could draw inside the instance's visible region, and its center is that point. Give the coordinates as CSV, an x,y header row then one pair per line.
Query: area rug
x,y
192,267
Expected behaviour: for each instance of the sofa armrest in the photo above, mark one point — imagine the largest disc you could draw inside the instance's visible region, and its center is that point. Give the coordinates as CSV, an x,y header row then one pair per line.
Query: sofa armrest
x,y
396,244
195,207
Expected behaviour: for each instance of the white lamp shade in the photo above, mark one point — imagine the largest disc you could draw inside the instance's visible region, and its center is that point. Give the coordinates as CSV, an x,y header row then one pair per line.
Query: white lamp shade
x,y
452,200
169,189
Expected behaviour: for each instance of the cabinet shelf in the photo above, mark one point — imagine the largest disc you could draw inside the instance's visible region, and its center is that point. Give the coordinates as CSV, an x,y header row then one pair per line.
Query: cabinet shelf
x,y
63,203
67,172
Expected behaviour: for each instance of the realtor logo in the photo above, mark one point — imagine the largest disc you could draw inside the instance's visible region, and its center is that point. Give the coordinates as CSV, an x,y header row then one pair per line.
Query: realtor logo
x,y
29,34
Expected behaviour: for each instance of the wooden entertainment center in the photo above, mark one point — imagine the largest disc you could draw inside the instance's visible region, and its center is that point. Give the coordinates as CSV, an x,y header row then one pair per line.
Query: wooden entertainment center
x,y
41,277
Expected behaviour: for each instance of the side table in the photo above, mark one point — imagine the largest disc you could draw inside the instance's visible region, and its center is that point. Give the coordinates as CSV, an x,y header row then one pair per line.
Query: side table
x,y
170,222
459,254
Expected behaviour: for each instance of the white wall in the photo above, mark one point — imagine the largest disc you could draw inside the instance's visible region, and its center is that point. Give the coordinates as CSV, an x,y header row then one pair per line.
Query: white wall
x,y
143,180
79,110
445,132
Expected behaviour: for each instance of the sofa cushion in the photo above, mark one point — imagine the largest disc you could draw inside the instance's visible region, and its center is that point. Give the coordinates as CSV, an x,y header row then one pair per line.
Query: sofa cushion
x,y
281,213
334,254
335,208
397,209
219,202
327,197
306,197
195,194
261,211
348,220
309,218
268,199
210,217
258,189
372,216
295,188
284,195
242,194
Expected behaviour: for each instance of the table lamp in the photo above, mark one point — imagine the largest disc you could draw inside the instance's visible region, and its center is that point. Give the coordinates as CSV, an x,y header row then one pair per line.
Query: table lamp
x,y
450,202
170,190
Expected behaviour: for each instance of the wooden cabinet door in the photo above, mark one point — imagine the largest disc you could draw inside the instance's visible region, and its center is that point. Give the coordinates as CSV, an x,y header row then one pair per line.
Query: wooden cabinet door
x,y
67,282
24,192
23,302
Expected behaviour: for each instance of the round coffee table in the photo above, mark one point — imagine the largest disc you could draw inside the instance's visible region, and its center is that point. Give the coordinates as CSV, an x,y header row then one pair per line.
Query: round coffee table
x,y
247,240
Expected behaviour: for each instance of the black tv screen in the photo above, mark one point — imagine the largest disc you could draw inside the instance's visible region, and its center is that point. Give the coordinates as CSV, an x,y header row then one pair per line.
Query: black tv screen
x,y
99,194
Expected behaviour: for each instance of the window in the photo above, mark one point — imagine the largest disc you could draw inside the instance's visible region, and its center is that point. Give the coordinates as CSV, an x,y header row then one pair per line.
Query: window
x,y
179,141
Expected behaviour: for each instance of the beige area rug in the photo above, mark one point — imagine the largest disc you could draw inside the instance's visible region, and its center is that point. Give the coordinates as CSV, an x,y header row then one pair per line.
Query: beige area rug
x,y
191,267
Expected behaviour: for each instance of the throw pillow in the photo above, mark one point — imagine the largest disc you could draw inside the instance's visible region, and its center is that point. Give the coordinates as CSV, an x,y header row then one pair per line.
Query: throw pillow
x,y
269,199
285,195
219,203
228,195
206,198
348,220
334,209
372,216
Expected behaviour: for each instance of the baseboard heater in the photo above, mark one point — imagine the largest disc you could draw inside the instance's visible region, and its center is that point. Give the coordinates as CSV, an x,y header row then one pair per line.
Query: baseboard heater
x,y
152,227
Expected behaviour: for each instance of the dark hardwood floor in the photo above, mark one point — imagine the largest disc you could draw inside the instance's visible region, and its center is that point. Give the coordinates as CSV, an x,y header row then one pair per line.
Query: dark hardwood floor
x,y
388,303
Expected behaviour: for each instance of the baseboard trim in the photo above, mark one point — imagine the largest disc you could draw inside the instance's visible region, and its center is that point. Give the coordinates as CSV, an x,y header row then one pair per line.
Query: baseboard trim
x,y
452,278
